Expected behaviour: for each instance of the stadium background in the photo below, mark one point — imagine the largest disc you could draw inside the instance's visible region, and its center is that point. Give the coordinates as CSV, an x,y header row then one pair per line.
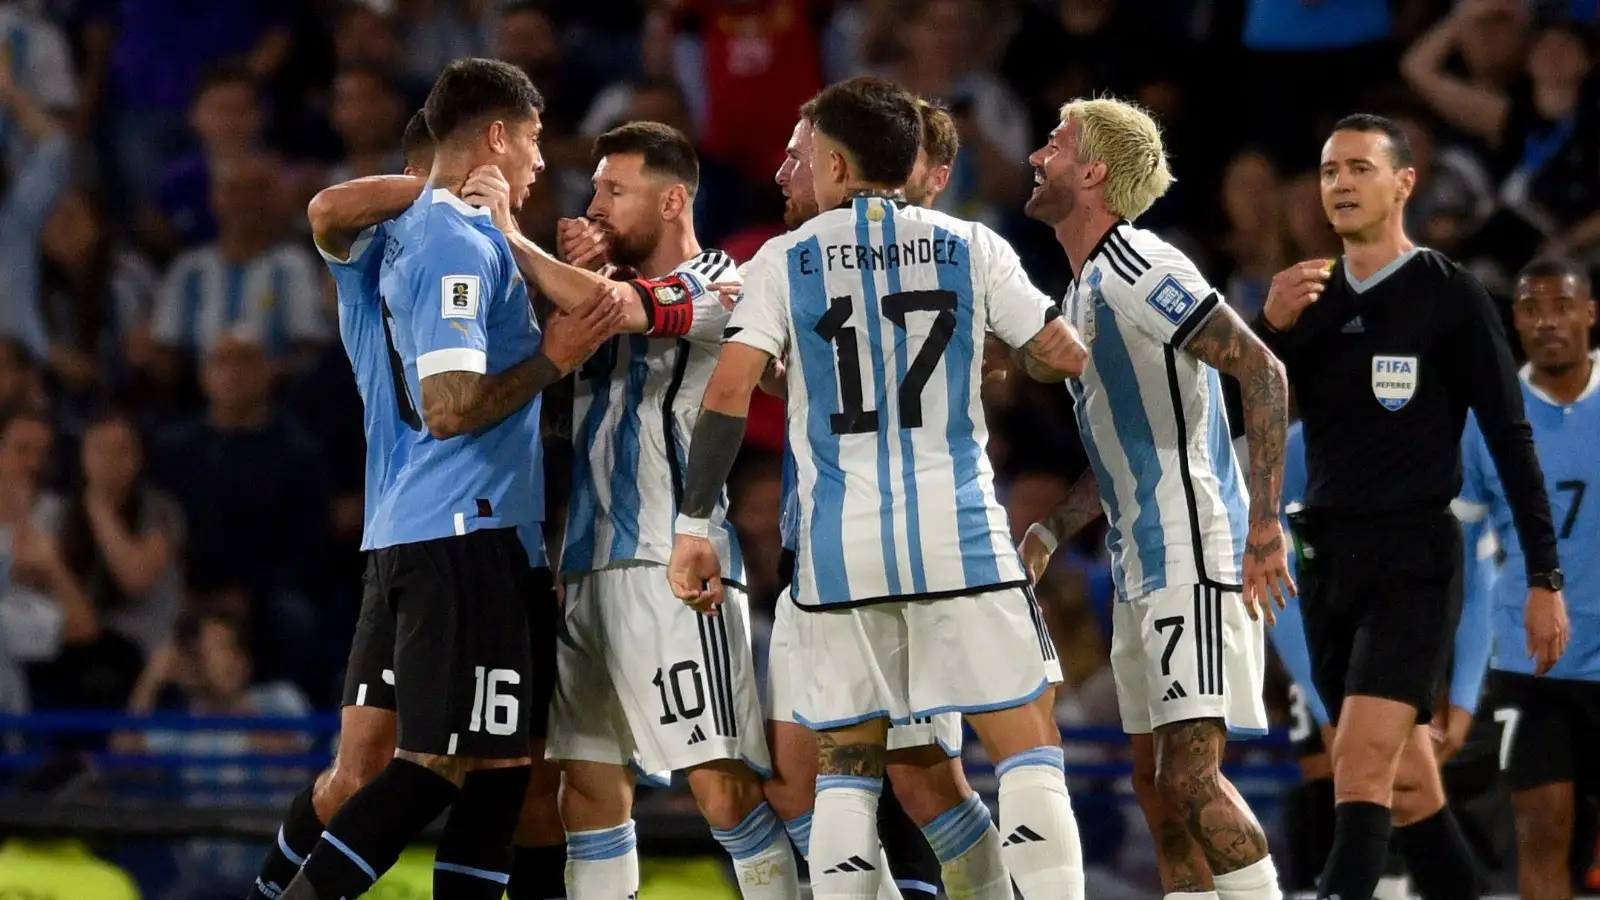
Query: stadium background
x,y
181,453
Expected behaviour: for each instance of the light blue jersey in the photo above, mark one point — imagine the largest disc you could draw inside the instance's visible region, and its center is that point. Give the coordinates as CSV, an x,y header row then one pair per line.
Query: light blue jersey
x,y
1568,442
1289,635
789,517
455,303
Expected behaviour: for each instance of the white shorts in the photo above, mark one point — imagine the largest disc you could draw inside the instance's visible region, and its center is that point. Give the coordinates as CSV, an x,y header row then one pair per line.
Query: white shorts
x,y
904,661
646,682
943,730
1185,653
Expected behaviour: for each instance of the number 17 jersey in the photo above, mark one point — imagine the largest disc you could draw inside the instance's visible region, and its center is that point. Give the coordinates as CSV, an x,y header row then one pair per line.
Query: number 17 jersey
x,y
879,311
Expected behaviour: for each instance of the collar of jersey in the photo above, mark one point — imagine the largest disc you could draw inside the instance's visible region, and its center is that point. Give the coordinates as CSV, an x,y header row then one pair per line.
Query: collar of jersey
x,y
440,195
1588,391
898,198
1100,246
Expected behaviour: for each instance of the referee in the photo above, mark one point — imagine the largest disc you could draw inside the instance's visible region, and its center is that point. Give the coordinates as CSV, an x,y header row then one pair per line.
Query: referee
x,y
1387,348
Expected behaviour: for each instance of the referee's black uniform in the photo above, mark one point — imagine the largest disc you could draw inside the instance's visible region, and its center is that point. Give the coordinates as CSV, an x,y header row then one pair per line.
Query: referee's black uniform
x,y
1384,371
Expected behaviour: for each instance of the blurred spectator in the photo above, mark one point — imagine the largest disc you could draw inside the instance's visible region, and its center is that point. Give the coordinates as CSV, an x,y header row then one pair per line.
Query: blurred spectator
x,y
1254,248
20,382
1454,192
756,494
368,114
59,867
436,32
527,38
228,118
34,54
364,36
28,192
247,284
90,30
1309,233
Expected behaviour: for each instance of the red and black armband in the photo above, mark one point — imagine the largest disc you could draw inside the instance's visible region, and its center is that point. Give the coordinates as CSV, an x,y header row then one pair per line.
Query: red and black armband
x,y
668,305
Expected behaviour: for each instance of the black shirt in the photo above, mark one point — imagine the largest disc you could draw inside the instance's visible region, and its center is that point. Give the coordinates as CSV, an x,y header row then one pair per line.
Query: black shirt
x,y
1384,372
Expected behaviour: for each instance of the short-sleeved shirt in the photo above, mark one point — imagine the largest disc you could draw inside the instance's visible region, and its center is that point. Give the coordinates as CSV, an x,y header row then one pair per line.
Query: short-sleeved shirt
x,y
272,299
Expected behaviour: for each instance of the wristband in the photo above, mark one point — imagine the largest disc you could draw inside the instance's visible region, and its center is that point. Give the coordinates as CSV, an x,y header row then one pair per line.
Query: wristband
x,y
668,305
1045,536
692,527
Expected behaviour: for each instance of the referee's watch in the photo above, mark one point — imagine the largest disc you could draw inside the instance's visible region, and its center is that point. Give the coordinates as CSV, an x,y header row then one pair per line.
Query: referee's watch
x,y
1550,581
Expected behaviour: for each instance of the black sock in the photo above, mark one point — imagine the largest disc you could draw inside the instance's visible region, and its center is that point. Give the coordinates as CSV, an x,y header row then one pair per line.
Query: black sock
x,y
1308,820
538,873
911,860
300,831
1441,863
372,829
473,861
1360,848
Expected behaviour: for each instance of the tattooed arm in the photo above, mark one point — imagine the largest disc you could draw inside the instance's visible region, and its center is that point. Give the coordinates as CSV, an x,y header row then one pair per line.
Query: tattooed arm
x,y
1054,354
1075,511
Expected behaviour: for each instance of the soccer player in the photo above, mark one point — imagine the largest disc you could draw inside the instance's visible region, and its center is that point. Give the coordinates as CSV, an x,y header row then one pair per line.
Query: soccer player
x,y
909,598
1550,724
1197,558
456,529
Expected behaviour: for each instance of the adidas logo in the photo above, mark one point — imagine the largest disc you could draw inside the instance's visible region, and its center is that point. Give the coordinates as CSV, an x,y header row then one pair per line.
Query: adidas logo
x,y
1175,692
268,889
1023,835
1354,326
696,736
853,864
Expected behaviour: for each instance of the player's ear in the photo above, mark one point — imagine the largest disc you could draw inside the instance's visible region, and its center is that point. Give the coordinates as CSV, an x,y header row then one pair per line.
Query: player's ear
x,y
1408,183
674,202
497,136
939,179
1094,173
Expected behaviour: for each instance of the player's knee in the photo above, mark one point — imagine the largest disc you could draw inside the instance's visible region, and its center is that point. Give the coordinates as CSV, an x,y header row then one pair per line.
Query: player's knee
x,y
789,799
726,792
929,787
1187,786
1417,795
594,796
1364,766
539,825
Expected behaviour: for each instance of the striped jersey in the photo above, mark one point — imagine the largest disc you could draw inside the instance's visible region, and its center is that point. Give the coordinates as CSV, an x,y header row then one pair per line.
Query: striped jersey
x,y
634,408
1152,418
878,310
272,300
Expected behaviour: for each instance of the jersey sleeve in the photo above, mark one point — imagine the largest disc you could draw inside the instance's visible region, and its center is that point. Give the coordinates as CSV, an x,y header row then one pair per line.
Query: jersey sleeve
x,y
1017,309
1477,476
761,318
454,280
710,314
1157,289
357,274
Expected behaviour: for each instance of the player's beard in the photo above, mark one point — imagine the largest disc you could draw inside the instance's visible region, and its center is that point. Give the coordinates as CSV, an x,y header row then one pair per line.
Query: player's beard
x,y
631,250
1051,204
797,212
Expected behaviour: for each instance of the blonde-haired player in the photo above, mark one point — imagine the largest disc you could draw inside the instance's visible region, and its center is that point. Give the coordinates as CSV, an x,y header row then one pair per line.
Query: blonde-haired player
x,y
1188,539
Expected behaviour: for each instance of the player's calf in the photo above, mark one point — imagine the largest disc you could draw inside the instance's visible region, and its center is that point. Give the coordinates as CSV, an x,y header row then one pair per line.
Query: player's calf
x,y
473,861
730,798
539,857
1193,791
846,863
792,789
1544,817
1436,852
602,852
952,823
1182,866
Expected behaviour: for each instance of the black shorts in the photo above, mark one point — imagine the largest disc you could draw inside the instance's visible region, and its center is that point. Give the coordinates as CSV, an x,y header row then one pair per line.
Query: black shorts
x,y
1550,730
786,564
465,681
1381,598
369,675
1305,735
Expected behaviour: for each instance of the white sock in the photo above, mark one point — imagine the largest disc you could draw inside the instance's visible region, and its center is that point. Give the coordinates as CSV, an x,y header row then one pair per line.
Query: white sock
x,y
1257,881
1191,895
887,889
762,858
846,863
968,848
1392,887
602,865
1040,846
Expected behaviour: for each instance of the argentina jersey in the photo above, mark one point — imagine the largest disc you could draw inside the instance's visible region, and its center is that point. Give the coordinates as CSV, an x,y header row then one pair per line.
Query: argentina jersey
x,y
453,302
1565,438
789,515
1152,418
362,330
879,311
634,407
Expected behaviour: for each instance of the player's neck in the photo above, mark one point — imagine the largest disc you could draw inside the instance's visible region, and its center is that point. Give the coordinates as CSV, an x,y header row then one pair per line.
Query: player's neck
x,y
1567,386
676,246
1081,232
1364,254
450,171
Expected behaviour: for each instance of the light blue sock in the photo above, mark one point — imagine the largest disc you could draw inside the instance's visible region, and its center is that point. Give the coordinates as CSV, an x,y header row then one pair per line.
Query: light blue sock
x,y
800,832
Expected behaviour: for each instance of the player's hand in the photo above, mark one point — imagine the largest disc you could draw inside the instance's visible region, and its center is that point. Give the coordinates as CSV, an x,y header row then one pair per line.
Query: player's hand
x,y
774,378
570,337
1449,735
1267,583
582,243
488,189
1035,555
1294,289
997,363
1548,630
695,573
728,293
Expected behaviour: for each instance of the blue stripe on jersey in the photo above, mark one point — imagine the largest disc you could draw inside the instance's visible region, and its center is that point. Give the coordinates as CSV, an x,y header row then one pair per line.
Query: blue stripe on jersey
x,y
1131,420
279,335
191,306
1223,466
908,452
581,517
625,473
808,299
869,295
235,293
1108,490
978,561
789,516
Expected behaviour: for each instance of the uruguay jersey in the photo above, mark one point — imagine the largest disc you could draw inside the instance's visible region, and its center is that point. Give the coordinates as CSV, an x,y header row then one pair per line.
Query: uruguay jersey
x,y
1566,438
1289,635
878,310
1152,418
455,303
366,343
634,409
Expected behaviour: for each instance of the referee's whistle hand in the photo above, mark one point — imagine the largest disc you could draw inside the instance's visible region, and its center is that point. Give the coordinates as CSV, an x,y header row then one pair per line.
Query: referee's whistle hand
x,y
1267,582
1294,289
1545,618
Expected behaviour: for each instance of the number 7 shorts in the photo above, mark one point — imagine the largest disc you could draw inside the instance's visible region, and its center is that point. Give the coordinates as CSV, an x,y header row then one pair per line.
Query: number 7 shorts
x,y
1185,653
646,682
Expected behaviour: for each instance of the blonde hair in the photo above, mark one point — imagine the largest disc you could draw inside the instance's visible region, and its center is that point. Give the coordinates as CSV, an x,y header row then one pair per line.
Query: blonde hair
x,y
1125,138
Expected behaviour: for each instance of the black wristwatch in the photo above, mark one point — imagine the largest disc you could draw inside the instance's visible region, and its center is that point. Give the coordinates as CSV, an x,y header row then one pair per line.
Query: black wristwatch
x,y
1550,581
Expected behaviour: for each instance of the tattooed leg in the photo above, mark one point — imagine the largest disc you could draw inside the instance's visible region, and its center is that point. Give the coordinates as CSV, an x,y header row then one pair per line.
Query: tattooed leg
x,y
1183,866
1190,783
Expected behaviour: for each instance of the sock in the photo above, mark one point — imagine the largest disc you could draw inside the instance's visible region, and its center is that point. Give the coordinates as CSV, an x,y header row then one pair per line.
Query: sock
x,y
300,831
473,861
372,829
844,846
1190,895
1360,848
603,865
1041,846
1442,866
1257,881
538,873
912,864
799,829
1308,823
762,860
968,849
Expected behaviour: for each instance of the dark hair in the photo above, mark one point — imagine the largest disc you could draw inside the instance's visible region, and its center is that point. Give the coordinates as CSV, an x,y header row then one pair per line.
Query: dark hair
x,y
1367,123
473,90
666,150
512,7
808,110
417,143
1557,267
380,74
875,120
20,349
940,140
79,549
190,623
230,72
24,412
